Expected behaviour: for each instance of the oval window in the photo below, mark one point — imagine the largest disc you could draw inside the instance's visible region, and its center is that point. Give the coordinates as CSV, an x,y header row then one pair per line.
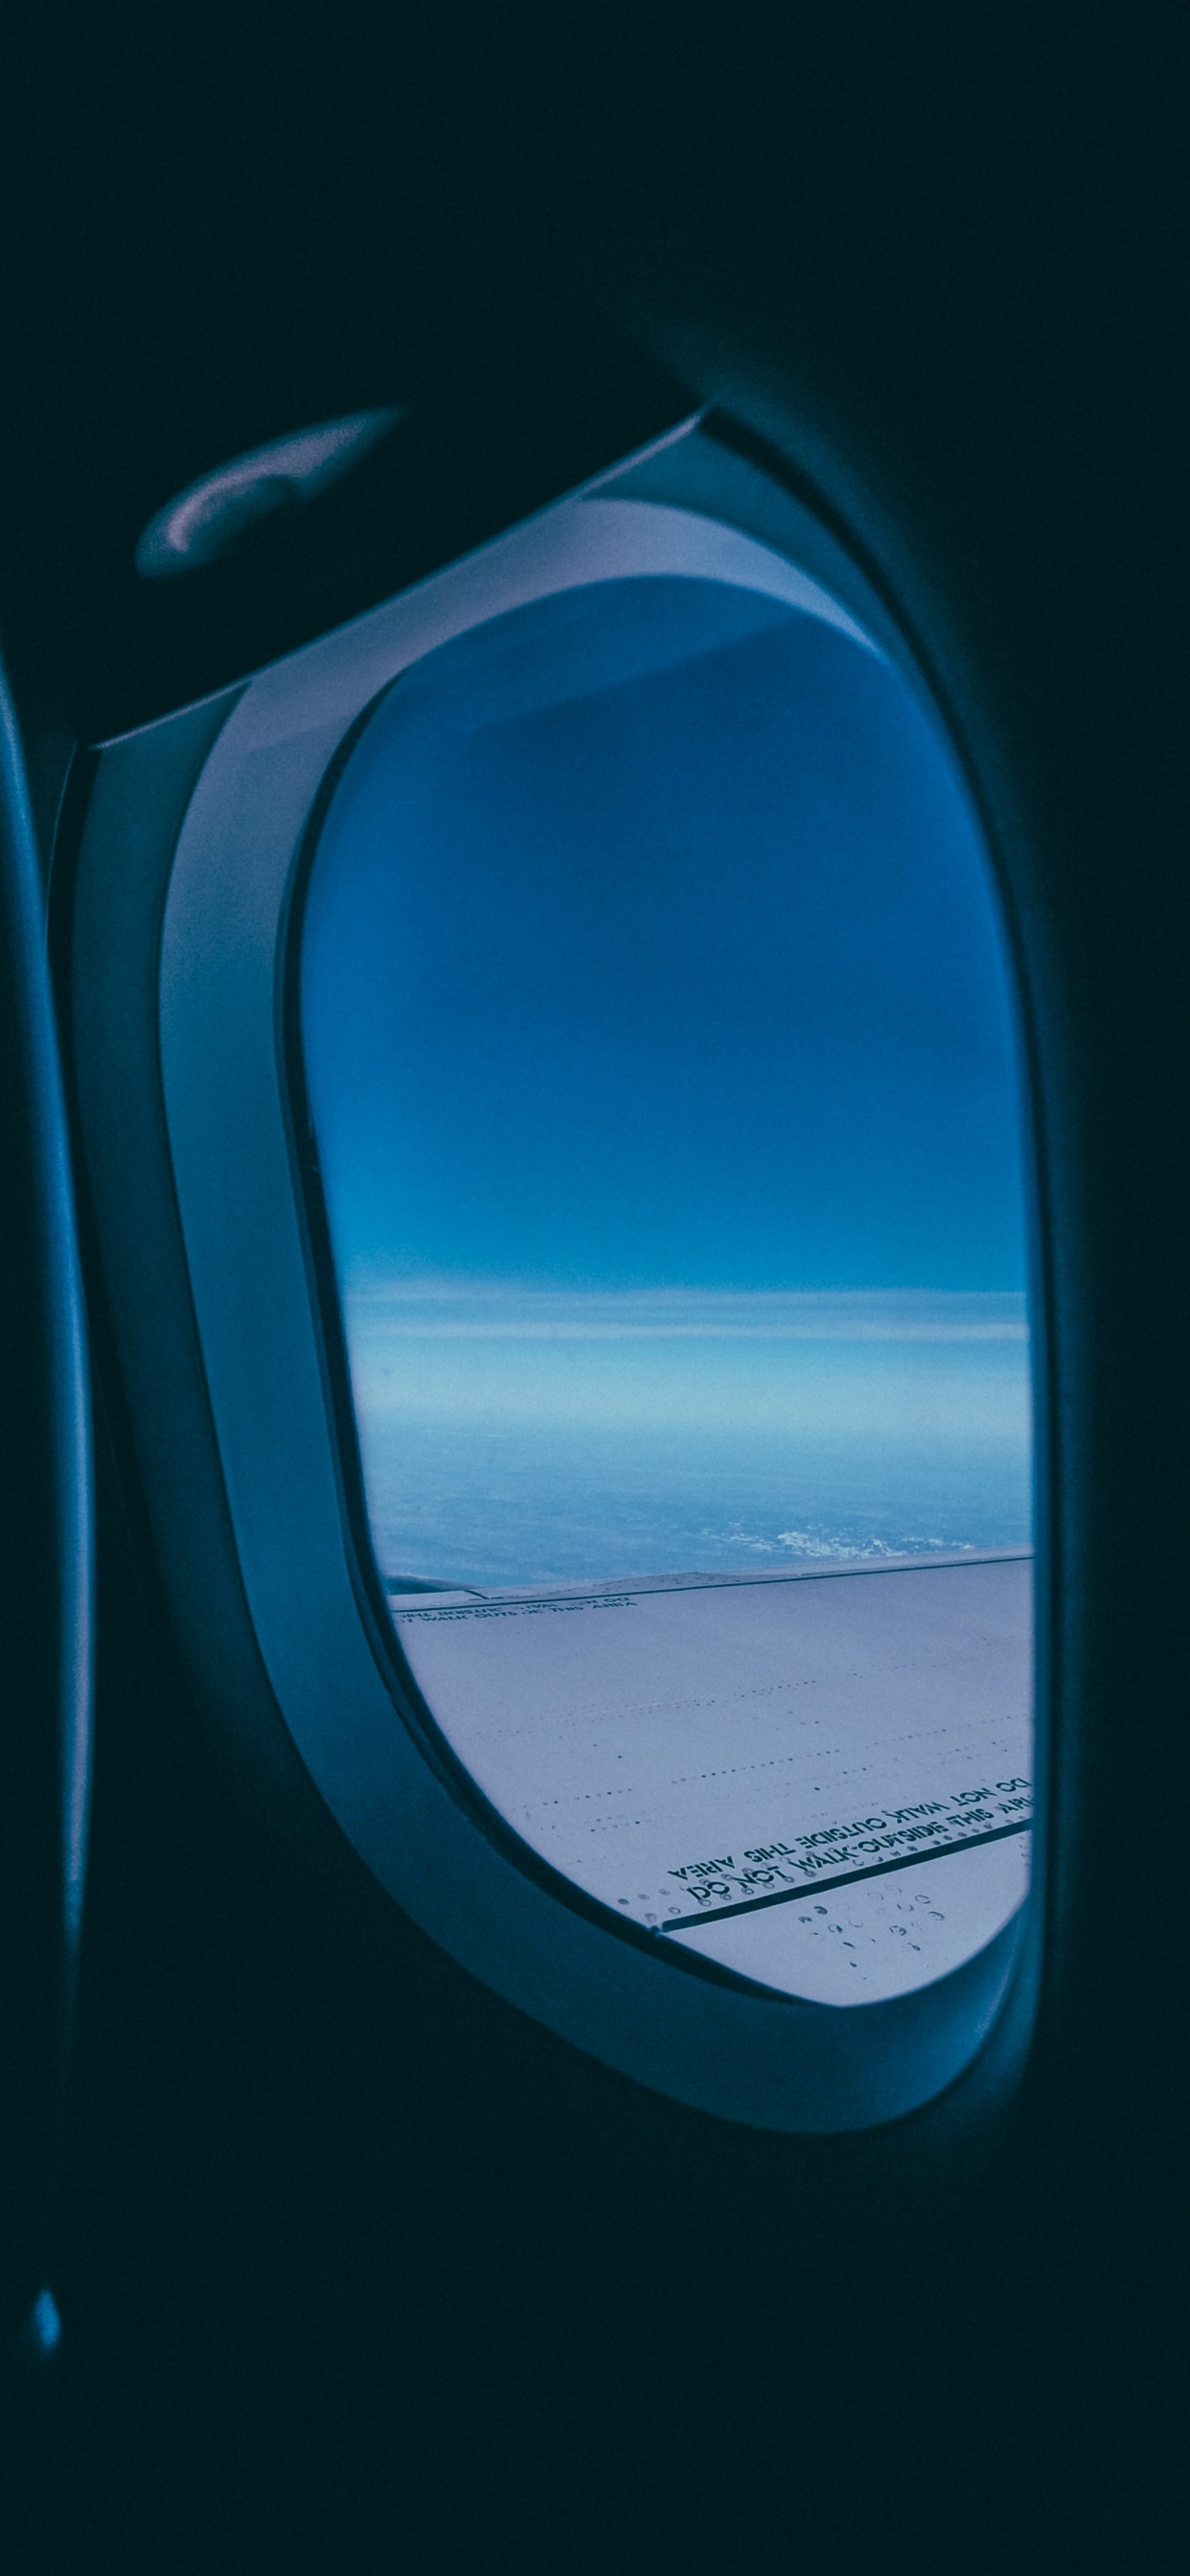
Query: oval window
x,y
659,1054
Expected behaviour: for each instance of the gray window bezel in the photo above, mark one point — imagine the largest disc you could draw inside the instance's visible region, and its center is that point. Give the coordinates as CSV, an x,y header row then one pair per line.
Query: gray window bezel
x,y
742,2054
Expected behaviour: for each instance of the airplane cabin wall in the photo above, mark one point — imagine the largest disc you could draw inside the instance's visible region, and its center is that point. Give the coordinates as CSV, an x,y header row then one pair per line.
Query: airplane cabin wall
x,y
358,2266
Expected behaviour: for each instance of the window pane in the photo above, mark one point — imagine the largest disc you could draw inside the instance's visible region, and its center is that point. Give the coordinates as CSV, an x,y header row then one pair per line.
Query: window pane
x,y
659,1053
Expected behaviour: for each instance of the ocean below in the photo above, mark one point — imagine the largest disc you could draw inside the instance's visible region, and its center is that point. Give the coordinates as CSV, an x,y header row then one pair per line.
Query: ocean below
x,y
527,1438
493,1505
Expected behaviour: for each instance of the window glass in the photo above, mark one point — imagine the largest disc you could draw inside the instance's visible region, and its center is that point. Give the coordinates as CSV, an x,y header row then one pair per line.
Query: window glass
x,y
660,1063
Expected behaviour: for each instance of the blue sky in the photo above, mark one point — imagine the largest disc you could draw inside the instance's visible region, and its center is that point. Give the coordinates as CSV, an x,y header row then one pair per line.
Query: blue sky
x,y
659,1050
648,945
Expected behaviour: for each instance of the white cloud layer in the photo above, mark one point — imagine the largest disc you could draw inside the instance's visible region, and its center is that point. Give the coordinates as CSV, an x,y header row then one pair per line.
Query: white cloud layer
x,y
872,1363
508,1310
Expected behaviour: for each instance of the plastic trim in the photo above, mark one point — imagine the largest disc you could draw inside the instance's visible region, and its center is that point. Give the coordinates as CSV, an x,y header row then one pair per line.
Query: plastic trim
x,y
711,2042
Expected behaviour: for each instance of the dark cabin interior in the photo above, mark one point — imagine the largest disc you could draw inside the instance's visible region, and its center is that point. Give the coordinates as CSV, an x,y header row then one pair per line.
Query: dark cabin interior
x,y
357,2266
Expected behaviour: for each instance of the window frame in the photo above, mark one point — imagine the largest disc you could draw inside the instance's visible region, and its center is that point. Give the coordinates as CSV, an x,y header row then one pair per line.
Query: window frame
x,y
225,802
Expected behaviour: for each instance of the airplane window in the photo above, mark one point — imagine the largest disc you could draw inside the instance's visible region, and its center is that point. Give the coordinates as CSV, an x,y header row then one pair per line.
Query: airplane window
x,y
659,1059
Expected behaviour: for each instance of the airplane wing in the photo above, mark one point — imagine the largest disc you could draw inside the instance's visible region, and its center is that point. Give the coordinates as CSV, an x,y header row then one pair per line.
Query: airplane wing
x,y
819,1778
